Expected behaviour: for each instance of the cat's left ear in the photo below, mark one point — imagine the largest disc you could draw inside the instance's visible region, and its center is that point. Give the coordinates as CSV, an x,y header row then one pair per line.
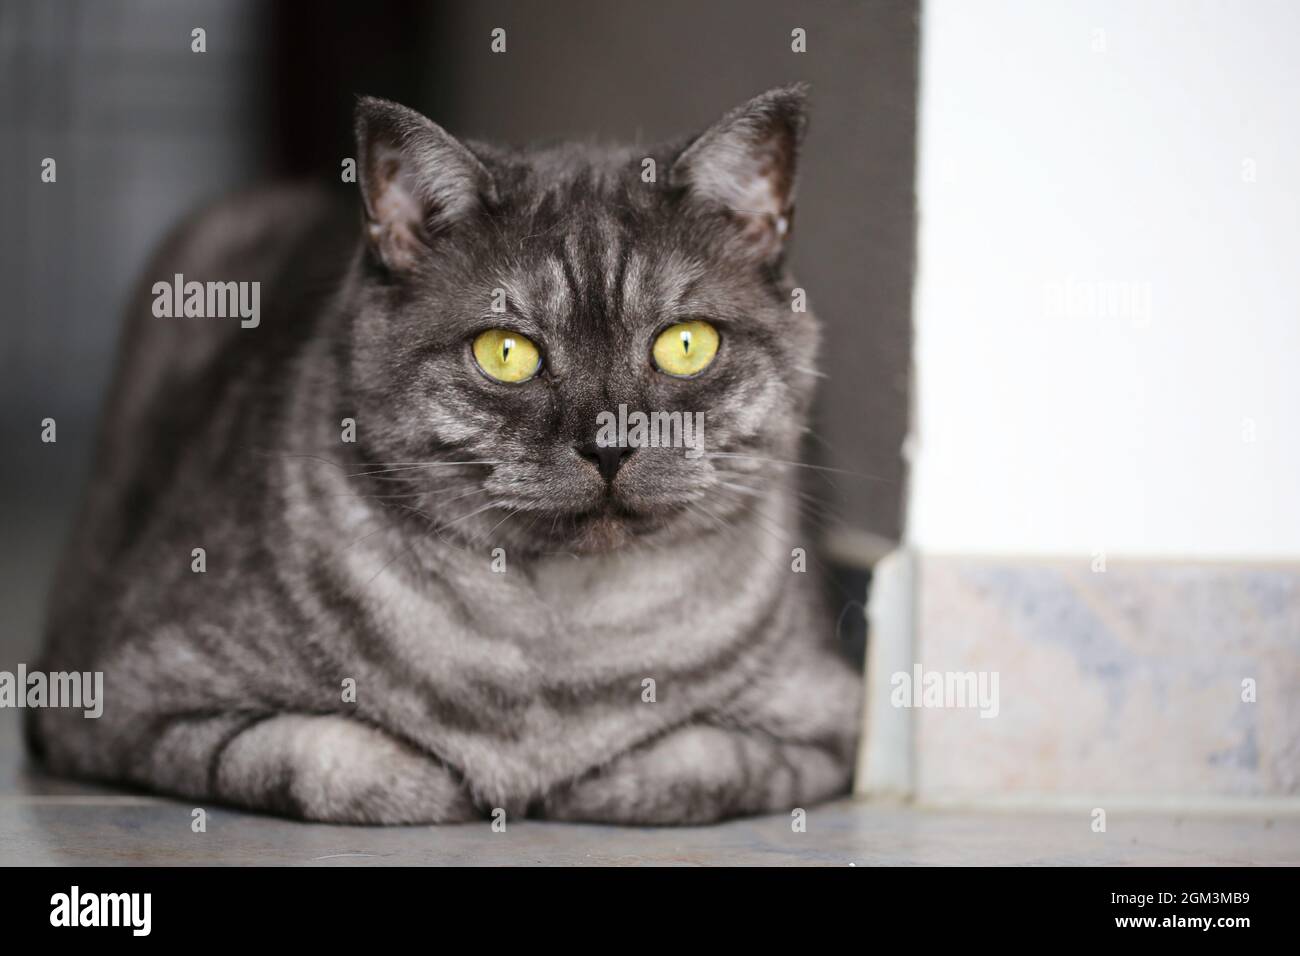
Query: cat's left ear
x,y
416,180
745,163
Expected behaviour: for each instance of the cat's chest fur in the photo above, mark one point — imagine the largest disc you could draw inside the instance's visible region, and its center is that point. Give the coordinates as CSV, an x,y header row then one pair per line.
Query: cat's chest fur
x,y
525,673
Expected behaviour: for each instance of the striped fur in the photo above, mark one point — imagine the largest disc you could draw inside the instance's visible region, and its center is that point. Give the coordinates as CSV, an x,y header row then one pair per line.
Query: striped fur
x,y
372,562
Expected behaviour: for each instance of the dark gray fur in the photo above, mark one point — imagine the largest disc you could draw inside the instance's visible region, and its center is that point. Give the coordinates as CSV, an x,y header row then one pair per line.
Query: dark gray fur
x,y
328,560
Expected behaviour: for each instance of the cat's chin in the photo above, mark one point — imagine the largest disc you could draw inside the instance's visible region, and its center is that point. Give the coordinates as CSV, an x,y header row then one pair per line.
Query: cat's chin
x,y
601,533
609,528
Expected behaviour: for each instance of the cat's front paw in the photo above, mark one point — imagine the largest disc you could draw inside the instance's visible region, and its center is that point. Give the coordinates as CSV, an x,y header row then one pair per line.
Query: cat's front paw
x,y
337,770
700,774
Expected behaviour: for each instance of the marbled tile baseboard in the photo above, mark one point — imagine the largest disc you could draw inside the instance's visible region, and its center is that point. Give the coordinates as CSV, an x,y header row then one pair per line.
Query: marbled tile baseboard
x,y
1125,682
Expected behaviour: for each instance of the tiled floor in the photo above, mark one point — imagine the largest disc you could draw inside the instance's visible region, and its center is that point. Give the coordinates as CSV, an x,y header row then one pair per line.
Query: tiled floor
x,y
50,822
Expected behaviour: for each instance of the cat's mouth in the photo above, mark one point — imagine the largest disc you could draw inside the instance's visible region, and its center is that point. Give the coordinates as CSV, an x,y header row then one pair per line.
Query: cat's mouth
x,y
610,525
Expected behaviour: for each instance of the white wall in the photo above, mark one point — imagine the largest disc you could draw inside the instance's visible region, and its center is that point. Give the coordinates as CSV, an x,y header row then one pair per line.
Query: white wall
x,y
1149,151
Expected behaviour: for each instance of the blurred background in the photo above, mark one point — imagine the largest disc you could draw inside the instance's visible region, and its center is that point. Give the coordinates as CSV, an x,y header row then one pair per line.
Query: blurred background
x,y
143,130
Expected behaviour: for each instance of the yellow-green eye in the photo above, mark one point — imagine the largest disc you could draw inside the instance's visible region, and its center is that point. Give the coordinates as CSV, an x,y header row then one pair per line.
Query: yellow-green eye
x,y
506,356
686,348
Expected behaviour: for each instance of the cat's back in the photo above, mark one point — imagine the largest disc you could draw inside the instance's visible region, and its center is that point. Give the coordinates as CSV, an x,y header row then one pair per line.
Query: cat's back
x,y
174,371
273,236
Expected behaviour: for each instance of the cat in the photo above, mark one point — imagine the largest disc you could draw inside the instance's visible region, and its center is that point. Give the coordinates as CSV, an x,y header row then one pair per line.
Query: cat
x,y
365,563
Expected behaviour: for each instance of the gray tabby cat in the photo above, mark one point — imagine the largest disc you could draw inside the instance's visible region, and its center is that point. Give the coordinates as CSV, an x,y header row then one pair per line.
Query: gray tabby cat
x,y
463,609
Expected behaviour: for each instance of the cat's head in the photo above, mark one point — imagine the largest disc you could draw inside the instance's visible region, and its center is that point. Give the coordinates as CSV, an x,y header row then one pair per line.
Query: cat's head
x,y
510,301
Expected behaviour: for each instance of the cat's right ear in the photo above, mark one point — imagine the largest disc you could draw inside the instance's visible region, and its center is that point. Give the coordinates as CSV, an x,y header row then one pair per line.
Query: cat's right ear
x,y
416,180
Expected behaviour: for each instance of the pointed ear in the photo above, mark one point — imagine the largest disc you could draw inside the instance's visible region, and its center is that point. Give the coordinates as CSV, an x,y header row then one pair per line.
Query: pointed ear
x,y
416,180
746,163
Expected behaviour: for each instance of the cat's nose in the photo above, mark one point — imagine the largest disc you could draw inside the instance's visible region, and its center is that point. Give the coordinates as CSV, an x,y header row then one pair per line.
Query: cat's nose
x,y
607,458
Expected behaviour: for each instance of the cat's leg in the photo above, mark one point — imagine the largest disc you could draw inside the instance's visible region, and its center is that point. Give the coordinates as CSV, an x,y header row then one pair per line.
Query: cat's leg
x,y
327,768
699,774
